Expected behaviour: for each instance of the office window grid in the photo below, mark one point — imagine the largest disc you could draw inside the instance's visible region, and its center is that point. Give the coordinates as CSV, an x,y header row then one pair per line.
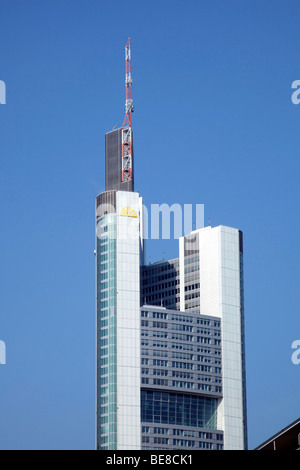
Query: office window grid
x,y
191,282
160,284
183,352
181,380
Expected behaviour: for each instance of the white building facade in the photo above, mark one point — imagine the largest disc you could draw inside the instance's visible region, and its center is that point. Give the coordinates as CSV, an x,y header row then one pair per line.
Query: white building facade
x,y
118,320
221,292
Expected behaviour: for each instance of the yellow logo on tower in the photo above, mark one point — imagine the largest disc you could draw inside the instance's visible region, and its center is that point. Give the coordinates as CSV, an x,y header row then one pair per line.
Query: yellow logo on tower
x,y
128,212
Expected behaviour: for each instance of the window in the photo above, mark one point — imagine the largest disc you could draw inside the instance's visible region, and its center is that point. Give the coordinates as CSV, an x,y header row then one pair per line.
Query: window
x,y
161,430
183,443
161,440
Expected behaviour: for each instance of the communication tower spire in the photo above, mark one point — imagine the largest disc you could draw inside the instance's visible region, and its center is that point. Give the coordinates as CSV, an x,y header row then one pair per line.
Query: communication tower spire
x,y
126,128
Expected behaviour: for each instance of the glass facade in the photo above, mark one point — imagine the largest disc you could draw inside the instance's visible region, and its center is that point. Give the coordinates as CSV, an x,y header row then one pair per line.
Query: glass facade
x,y
181,379
178,409
106,333
160,284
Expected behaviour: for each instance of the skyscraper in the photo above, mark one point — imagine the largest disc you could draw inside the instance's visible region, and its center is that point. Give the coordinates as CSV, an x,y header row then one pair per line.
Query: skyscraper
x,y
170,335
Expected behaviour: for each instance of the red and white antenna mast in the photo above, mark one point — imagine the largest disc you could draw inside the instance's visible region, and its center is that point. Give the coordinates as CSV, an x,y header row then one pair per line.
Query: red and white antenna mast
x,y
126,128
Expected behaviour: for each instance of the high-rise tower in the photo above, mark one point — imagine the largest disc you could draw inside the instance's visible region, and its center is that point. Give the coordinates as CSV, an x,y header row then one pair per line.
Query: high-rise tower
x,y
170,335
118,290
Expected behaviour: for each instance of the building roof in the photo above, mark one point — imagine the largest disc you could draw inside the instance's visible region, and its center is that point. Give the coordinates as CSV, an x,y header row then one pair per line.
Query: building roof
x,y
286,439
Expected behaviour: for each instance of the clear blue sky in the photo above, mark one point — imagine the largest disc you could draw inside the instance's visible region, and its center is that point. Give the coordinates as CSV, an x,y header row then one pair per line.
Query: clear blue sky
x,y
214,124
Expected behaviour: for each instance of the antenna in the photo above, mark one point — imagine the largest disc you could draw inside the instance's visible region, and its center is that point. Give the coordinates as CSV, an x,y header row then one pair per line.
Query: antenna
x,y
126,128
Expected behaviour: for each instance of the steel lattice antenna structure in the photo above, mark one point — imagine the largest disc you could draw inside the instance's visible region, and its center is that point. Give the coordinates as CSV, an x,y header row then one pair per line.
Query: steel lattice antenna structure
x,y
126,128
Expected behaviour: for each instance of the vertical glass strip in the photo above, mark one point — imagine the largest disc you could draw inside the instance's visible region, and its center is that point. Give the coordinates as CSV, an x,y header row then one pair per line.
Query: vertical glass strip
x,y
106,333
